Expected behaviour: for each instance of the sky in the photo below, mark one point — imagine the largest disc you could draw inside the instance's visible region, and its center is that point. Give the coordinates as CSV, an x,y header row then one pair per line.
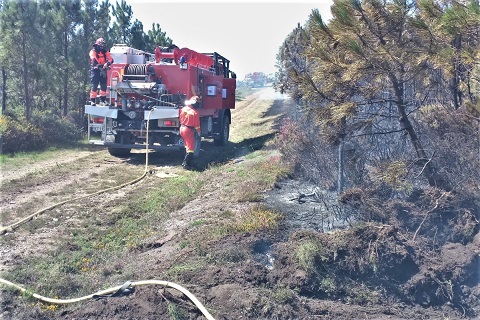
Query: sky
x,y
247,33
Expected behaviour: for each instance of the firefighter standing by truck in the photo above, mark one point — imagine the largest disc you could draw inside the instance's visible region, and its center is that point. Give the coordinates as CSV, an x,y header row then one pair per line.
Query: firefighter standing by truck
x,y
100,61
190,129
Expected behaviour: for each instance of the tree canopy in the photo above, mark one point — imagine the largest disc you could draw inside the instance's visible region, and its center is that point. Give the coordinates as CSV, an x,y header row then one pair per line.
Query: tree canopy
x,y
376,72
44,51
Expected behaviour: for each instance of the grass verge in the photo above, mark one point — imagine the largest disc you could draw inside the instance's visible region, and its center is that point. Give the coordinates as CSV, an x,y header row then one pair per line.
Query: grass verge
x,y
101,249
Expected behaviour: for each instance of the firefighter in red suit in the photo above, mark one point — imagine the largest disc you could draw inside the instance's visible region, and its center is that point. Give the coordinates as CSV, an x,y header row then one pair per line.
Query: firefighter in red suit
x,y
190,128
100,61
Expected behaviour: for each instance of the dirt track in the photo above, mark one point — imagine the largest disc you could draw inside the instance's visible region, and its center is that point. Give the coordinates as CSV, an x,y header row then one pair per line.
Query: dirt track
x,y
240,276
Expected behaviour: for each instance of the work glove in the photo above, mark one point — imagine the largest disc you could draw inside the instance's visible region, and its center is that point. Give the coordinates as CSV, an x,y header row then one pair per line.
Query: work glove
x,y
106,66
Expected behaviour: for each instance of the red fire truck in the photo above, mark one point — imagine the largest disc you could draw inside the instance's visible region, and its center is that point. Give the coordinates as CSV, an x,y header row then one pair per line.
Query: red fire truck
x,y
153,87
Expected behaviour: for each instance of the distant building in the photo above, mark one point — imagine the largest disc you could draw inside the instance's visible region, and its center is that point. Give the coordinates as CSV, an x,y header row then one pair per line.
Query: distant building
x,y
256,79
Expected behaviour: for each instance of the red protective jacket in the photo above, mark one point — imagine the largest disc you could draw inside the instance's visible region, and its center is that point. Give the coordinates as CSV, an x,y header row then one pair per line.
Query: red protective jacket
x,y
99,57
190,122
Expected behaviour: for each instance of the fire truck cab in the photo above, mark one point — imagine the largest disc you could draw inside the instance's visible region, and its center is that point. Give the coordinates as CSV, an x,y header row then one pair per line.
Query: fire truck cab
x,y
145,87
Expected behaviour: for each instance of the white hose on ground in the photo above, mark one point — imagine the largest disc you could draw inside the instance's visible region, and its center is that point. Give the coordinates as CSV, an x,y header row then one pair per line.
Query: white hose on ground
x,y
192,298
33,215
197,303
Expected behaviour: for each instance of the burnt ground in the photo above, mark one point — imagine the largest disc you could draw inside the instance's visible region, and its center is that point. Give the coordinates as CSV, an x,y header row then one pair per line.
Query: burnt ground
x,y
348,270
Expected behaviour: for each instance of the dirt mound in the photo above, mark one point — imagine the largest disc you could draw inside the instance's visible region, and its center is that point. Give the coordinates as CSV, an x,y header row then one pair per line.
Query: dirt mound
x,y
408,262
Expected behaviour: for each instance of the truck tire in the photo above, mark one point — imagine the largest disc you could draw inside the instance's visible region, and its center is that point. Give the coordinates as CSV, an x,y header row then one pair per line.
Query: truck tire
x,y
224,132
119,152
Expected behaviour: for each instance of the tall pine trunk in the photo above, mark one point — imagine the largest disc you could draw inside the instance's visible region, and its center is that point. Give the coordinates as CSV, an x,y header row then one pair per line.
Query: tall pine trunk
x,y
65,75
28,107
4,90
428,170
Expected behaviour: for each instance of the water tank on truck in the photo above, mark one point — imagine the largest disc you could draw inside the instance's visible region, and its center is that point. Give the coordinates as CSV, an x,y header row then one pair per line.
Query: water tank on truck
x,y
153,87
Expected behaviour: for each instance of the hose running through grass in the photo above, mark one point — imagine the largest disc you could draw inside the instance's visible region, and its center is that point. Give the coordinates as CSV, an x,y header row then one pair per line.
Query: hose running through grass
x,y
133,284
15,225
113,289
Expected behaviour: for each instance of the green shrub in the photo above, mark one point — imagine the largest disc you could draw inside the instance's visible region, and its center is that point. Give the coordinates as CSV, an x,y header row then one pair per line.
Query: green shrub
x,y
20,135
44,130
57,130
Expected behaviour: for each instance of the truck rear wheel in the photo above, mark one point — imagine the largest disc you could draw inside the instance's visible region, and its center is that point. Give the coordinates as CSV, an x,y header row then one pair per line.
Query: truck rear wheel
x,y
119,152
224,132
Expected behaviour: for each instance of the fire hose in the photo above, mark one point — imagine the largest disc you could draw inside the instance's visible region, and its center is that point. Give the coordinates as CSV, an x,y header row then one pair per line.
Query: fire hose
x,y
33,215
117,291
143,95
113,291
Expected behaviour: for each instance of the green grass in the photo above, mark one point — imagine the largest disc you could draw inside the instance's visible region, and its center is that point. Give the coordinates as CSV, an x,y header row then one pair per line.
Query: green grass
x,y
21,159
258,218
99,249
197,223
283,295
250,178
246,128
38,176
230,255
169,196
242,92
176,313
184,244
307,254
179,270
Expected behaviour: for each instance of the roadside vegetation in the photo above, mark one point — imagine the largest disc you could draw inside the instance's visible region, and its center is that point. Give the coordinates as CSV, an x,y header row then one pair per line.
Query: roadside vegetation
x,y
388,118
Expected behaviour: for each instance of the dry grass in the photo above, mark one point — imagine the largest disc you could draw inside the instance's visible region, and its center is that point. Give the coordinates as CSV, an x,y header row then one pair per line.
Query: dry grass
x,y
249,120
98,247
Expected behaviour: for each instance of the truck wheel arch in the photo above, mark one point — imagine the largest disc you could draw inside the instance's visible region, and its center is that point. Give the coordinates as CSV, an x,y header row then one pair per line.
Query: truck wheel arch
x,y
223,127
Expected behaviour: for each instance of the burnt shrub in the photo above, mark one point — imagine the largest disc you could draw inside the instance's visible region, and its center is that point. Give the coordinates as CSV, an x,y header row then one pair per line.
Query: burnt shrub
x,y
305,151
453,136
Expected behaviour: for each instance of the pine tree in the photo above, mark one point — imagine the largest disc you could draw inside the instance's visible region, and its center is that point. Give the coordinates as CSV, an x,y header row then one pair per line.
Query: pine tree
x,y
137,36
62,20
451,32
372,56
157,37
121,28
21,38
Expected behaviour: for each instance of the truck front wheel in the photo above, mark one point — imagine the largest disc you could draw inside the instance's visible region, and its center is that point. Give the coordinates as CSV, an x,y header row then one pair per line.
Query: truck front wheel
x,y
119,152
224,132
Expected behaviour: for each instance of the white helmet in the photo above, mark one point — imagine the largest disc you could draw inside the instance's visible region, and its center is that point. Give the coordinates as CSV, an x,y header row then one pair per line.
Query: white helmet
x,y
193,100
101,43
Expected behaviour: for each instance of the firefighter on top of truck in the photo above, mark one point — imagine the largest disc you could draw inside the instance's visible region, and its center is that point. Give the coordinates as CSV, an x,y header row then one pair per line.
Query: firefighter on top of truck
x,y
100,61
190,129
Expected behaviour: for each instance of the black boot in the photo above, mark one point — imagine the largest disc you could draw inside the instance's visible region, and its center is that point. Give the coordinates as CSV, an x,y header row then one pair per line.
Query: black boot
x,y
187,162
184,163
92,101
103,101
190,160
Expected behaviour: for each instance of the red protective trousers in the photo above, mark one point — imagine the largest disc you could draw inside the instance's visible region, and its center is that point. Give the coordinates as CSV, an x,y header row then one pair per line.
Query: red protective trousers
x,y
188,137
97,59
